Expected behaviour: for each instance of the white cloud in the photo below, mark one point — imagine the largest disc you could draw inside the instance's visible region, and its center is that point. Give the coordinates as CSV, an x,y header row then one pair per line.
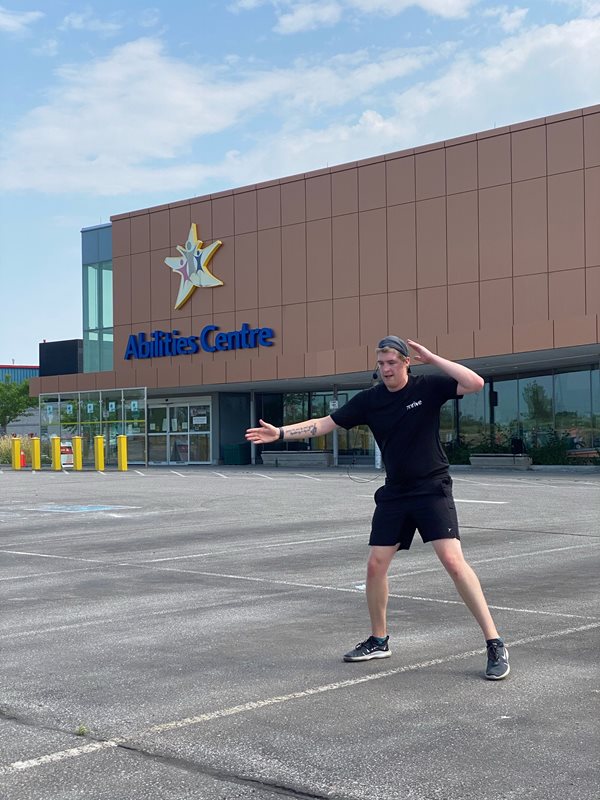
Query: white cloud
x,y
308,16
86,21
113,125
136,119
296,16
442,8
15,22
556,68
247,5
587,8
510,20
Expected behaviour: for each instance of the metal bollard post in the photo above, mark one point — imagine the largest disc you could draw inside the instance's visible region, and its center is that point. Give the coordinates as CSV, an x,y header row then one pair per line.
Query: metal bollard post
x,y
55,448
77,453
99,453
15,452
36,453
122,452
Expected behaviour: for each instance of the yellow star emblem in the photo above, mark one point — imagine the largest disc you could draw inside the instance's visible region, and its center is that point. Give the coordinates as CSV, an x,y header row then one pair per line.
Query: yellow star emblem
x,y
192,265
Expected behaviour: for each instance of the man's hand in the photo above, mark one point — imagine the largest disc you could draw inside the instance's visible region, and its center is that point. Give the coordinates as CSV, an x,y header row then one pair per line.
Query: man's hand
x,y
422,354
467,380
264,435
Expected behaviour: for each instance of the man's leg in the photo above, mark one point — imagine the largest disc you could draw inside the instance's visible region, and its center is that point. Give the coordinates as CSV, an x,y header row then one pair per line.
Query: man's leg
x,y
449,551
377,587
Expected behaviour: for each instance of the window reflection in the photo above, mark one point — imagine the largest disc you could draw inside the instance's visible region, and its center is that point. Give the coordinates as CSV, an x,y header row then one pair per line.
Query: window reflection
x,y
573,411
536,410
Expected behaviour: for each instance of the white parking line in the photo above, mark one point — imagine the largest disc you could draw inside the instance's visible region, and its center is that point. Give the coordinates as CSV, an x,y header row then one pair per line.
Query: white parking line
x,y
44,574
181,475
140,473
232,550
221,475
310,477
486,502
346,589
456,500
61,558
255,705
262,475
496,558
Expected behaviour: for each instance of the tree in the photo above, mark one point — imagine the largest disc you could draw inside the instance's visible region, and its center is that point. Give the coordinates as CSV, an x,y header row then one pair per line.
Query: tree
x,y
14,400
539,403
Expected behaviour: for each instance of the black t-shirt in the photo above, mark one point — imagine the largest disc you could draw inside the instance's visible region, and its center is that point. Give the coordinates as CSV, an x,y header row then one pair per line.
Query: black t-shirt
x,y
405,424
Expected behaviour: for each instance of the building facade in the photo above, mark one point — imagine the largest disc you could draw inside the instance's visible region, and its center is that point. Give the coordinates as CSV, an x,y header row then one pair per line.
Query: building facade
x,y
203,315
17,373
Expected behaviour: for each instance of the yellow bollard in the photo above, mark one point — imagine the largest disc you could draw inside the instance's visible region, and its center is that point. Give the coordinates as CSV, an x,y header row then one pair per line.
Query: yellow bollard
x,y
15,452
55,448
36,453
122,452
99,453
77,453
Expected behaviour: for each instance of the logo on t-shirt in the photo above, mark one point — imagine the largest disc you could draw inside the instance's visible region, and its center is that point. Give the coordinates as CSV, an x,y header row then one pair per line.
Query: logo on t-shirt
x,y
414,405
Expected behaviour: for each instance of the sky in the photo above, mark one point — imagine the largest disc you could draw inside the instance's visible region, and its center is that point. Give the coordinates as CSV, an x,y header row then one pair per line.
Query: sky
x,y
108,107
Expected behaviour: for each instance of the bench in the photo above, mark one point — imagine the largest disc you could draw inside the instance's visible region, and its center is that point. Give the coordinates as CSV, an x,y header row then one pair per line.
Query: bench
x,y
296,458
584,453
500,460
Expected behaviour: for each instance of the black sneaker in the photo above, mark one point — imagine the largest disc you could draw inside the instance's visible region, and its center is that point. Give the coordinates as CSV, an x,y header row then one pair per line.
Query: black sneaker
x,y
497,664
368,649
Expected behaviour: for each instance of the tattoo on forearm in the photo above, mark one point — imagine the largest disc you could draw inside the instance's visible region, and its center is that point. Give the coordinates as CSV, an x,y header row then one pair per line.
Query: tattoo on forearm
x,y
304,430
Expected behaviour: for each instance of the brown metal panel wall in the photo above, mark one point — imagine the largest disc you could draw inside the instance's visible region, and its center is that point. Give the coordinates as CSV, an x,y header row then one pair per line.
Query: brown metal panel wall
x,y
487,244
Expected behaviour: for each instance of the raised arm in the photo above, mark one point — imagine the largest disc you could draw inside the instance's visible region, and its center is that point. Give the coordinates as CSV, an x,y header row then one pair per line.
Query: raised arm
x,y
468,381
268,433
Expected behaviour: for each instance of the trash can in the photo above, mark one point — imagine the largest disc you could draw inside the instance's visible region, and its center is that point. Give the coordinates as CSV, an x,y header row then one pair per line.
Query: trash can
x,y
236,453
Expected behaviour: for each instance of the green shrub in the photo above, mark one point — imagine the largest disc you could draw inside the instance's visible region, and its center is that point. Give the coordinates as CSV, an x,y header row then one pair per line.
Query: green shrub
x,y
457,452
5,448
553,451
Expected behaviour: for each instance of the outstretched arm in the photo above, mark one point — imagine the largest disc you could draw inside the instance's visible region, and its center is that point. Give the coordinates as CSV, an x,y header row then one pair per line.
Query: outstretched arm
x,y
468,381
268,433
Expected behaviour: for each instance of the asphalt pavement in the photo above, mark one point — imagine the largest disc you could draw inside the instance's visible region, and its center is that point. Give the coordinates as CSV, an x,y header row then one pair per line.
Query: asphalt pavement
x,y
175,633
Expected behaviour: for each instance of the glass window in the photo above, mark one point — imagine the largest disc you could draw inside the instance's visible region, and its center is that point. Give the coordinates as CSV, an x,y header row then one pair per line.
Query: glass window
x,y
472,417
157,420
506,410
448,422
104,244
295,407
91,351
69,415
199,418
536,410
573,408
97,317
105,350
596,407
200,448
89,247
107,296
112,402
134,403
90,306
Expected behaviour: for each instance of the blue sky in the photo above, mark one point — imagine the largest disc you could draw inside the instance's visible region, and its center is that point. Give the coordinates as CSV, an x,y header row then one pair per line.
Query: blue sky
x,y
109,107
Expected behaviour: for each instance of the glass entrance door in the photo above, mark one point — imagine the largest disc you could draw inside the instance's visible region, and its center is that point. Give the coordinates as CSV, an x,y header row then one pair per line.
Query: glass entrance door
x,y
180,434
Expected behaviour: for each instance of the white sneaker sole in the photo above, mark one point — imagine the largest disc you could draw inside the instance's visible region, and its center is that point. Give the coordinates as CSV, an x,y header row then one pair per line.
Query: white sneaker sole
x,y
376,654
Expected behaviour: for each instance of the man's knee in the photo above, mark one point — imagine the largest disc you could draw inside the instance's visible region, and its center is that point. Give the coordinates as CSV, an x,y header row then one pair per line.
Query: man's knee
x,y
378,563
450,554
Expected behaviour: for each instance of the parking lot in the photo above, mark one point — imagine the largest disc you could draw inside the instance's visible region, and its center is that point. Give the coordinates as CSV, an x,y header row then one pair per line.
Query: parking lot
x,y
179,634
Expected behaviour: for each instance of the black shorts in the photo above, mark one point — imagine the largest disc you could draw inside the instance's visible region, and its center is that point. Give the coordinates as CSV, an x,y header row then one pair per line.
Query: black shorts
x,y
398,515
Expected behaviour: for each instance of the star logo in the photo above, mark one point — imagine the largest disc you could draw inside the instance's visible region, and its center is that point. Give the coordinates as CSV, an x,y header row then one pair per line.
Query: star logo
x,y
192,265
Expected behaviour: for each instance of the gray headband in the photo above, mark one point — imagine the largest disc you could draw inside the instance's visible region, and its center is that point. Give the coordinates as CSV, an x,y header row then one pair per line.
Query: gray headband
x,y
396,344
